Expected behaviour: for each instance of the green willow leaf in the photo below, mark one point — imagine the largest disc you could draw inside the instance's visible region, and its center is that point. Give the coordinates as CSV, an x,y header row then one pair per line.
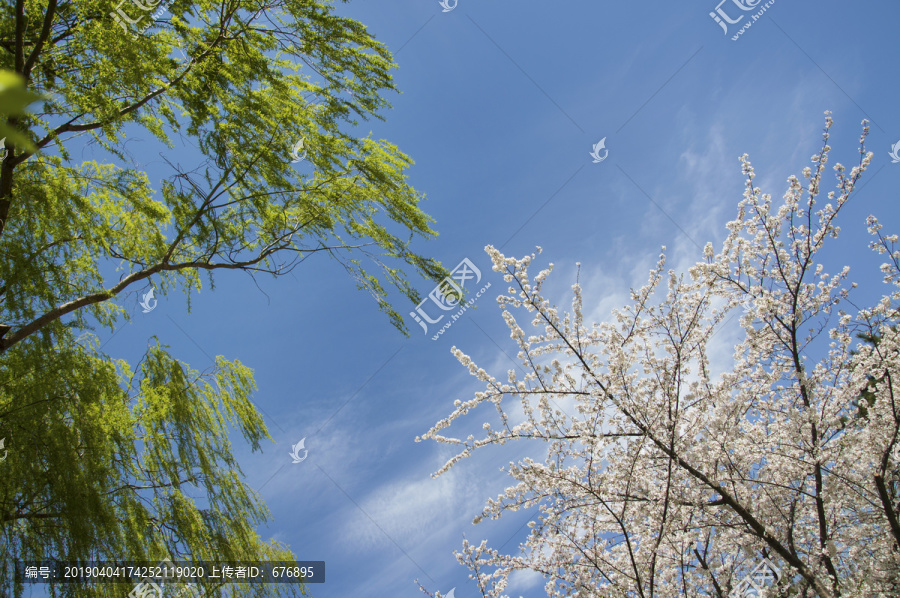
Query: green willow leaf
x,y
111,460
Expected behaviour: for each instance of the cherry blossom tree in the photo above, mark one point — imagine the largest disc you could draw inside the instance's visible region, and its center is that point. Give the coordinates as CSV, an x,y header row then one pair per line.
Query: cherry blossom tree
x,y
663,477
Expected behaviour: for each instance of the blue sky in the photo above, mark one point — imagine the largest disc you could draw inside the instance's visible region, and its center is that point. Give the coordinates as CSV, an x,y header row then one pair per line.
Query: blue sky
x,y
501,103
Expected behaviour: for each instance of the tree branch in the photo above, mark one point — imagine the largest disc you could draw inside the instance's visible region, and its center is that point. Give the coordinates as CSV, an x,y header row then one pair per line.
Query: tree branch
x,y
888,508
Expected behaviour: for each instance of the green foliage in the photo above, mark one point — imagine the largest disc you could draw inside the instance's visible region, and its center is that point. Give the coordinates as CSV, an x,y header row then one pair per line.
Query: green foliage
x,y
109,460
14,99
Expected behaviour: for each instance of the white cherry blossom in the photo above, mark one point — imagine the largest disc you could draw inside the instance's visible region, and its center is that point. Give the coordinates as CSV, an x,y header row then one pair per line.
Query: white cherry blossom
x,y
666,479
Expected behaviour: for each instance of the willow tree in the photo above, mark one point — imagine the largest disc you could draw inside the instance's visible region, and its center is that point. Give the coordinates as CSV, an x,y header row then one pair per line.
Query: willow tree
x,y
111,460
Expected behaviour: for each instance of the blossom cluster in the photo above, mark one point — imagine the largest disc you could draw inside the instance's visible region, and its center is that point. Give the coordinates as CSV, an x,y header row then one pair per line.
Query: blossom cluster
x,y
662,478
